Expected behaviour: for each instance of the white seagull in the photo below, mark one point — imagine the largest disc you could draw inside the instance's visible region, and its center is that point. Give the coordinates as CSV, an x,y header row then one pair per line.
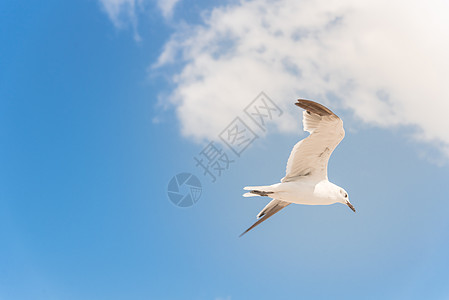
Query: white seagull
x,y
306,179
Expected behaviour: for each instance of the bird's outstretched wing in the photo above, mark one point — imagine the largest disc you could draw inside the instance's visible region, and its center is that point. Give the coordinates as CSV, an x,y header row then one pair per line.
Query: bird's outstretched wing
x,y
310,156
270,209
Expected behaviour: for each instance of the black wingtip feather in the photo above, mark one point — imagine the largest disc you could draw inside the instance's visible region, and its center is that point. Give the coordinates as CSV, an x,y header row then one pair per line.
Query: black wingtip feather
x,y
314,107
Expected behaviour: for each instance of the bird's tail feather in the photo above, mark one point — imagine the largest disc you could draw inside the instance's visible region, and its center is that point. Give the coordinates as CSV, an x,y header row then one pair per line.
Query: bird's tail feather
x,y
249,195
266,188
263,190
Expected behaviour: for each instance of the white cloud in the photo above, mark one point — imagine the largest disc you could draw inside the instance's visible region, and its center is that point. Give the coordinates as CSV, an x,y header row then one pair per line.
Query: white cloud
x,y
385,60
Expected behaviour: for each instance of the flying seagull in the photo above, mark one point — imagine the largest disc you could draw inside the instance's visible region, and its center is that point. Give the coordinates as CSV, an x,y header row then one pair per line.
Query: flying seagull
x,y
306,179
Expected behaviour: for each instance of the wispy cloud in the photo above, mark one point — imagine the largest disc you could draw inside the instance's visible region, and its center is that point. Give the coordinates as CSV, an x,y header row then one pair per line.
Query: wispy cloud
x,y
167,7
123,13
220,298
385,60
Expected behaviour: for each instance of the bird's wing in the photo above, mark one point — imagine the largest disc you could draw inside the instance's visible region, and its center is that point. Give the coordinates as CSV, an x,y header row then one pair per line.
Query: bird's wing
x,y
273,207
310,156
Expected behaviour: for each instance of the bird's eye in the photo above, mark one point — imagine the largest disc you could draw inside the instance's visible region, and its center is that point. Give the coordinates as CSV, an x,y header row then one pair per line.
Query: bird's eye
x,y
346,195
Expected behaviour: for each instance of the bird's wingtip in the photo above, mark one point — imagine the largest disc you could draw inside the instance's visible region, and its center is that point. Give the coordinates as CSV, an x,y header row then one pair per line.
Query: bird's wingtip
x,y
314,107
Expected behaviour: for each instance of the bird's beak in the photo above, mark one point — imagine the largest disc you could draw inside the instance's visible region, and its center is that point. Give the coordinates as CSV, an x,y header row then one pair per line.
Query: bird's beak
x,y
350,205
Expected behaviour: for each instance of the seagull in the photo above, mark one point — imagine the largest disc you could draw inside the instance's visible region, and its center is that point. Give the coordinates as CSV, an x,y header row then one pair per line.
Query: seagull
x,y
306,179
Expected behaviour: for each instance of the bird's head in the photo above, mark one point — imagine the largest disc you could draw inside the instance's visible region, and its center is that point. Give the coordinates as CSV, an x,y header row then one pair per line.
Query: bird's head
x,y
344,198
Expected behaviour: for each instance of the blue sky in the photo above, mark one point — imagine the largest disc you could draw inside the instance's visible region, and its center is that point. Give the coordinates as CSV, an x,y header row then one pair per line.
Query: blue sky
x,y
97,115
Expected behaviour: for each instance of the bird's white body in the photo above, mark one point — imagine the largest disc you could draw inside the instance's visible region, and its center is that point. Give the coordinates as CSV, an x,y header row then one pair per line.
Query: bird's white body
x,y
302,191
